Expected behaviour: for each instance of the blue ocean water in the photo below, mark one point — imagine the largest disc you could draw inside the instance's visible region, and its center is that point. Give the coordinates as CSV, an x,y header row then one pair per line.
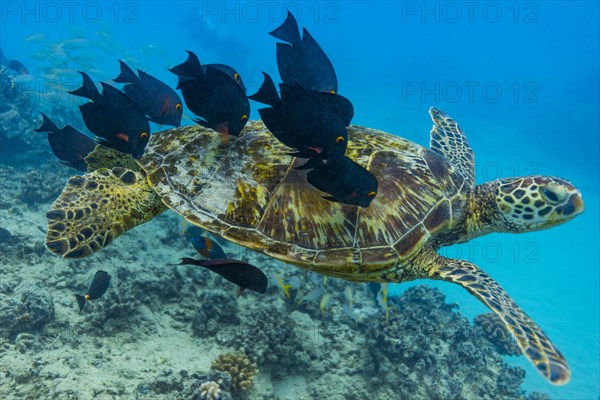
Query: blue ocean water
x,y
521,78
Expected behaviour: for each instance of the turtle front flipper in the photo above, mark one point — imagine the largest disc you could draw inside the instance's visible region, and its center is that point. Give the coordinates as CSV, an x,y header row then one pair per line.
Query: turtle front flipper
x,y
95,208
531,339
448,140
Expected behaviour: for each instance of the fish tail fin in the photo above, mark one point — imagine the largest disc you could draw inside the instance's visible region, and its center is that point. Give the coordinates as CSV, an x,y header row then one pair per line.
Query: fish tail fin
x,y
267,93
190,261
80,301
190,68
47,125
288,31
127,75
87,89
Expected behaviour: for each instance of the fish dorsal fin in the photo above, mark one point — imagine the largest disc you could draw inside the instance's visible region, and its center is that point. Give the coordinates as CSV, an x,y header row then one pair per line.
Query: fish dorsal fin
x,y
47,125
267,93
288,31
127,75
87,89
449,140
190,68
147,77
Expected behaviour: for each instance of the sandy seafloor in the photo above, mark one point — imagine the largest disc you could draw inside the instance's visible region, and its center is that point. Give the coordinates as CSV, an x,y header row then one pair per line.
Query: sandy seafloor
x,y
157,330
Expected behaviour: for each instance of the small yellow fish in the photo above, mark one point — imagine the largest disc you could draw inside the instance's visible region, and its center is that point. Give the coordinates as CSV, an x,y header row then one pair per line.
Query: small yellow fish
x,y
324,301
286,288
384,289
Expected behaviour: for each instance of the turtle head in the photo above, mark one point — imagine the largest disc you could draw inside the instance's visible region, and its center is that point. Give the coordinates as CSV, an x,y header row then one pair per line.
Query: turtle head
x,y
536,202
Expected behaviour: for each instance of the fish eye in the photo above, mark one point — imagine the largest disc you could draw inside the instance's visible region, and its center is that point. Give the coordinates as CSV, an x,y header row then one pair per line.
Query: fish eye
x,y
340,139
144,135
244,117
372,194
332,92
178,106
236,76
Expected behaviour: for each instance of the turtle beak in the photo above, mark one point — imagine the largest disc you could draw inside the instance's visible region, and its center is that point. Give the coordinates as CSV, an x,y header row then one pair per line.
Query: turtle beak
x,y
574,205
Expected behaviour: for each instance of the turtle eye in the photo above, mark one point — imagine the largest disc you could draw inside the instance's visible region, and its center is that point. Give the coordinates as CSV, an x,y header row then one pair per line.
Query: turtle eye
x,y
236,76
372,194
144,135
178,106
340,139
244,117
550,195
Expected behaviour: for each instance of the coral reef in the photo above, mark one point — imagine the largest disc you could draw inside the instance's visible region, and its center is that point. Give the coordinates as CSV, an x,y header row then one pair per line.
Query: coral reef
x,y
29,309
215,309
435,354
188,386
493,329
241,369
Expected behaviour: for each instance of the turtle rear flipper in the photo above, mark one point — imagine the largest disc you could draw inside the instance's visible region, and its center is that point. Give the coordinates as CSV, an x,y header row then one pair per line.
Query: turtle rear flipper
x,y
533,342
95,208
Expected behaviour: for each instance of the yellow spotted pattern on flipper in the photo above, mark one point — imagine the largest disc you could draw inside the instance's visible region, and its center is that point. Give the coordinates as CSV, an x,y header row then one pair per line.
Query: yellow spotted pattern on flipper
x,y
529,336
95,208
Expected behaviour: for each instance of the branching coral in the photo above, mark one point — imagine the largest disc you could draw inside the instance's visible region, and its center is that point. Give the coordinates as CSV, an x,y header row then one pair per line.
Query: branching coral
x,y
241,369
210,391
494,330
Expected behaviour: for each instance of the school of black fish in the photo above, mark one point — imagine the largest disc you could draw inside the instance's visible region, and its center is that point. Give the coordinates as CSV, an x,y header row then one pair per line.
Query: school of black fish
x,y
308,115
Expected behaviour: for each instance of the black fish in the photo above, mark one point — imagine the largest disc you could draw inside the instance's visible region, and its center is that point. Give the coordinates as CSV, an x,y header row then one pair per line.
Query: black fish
x,y
214,92
303,63
154,97
114,118
68,144
97,289
191,69
345,181
204,245
302,60
335,103
301,122
244,275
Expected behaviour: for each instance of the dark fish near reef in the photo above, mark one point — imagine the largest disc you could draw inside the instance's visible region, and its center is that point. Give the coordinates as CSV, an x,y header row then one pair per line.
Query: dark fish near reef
x,y
18,67
15,65
345,181
204,245
154,97
302,60
6,237
299,121
114,118
68,144
97,289
214,92
244,275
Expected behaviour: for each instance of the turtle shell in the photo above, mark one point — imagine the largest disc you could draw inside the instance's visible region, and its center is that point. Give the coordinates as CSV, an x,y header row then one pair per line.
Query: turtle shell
x,y
249,192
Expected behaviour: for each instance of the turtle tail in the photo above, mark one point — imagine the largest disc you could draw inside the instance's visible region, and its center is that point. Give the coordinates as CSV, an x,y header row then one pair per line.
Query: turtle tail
x,y
96,208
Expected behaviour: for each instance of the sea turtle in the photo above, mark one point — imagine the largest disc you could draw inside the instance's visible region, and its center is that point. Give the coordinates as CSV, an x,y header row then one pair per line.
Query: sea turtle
x,y
249,192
